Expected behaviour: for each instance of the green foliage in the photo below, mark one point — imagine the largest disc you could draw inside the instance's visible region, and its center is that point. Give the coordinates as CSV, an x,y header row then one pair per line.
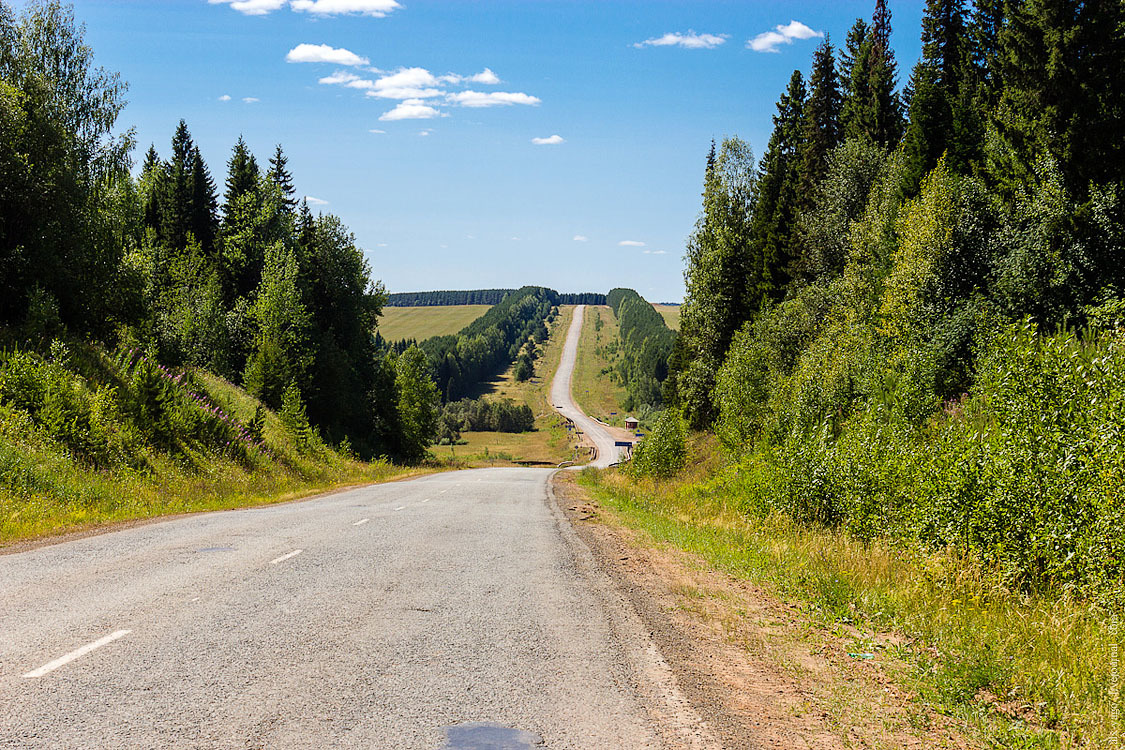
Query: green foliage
x,y
482,415
663,450
418,403
646,344
295,419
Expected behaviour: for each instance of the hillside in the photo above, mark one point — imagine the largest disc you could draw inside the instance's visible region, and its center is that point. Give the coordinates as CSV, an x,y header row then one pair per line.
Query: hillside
x,y
89,437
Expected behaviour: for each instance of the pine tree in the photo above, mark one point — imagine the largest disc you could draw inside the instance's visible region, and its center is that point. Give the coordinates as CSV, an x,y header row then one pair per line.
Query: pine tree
x,y
854,64
242,175
822,121
280,176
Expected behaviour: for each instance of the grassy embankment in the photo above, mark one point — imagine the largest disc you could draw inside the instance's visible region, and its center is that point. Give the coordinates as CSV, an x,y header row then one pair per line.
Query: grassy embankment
x,y
1015,670
549,444
594,391
671,315
95,439
420,323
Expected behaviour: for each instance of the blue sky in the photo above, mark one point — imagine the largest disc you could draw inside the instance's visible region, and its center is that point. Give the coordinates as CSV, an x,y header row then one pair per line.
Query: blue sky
x,y
453,192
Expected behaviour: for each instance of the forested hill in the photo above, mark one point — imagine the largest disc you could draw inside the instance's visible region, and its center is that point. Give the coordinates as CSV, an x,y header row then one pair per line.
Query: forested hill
x,y
907,316
479,297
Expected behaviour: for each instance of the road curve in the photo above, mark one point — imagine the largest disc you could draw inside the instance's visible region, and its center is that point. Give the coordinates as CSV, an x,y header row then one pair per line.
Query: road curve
x,y
563,398
441,612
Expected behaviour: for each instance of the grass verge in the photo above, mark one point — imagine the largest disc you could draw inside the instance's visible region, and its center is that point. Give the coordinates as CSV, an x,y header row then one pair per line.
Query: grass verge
x,y
593,389
1019,671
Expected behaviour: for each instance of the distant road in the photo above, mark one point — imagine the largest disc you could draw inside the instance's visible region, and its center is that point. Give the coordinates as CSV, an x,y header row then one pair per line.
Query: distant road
x,y
433,613
563,399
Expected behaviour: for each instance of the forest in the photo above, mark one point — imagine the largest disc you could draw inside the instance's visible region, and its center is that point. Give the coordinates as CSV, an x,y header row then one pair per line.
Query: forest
x,y
246,283
645,343
479,297
905,319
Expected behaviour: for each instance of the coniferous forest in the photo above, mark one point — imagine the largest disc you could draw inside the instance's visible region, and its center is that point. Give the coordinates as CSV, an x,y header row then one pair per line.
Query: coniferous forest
x,y
904,319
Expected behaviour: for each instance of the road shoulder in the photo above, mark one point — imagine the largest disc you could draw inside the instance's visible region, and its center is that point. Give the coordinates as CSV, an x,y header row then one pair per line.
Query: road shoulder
x,y
757,671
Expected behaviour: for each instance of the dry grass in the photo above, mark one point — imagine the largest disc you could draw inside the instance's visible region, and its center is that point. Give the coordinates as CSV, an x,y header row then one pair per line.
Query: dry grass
x,y
671,315
420,323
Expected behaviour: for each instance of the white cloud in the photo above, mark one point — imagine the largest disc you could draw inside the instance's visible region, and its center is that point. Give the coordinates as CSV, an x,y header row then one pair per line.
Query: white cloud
x,y
631,243
224,98
251,99
380,244
493,99
316,201
515,239
411,109
581,238
424,133
402,93
376,131
377,8
322,53
769,41
656,252
553,140
338,78
407,78
690,40
486,77
251,7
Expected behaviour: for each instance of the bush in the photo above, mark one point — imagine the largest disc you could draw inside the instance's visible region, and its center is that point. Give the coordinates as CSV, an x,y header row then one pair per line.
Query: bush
x,y
663,451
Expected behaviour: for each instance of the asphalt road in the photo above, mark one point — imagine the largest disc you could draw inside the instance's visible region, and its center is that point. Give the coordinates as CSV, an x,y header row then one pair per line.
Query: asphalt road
x,y
563,399
456,610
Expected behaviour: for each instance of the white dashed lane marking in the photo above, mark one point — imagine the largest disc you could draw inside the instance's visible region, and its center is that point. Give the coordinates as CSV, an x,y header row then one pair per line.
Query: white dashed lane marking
x,y
361,521
401,507
286,556
77,653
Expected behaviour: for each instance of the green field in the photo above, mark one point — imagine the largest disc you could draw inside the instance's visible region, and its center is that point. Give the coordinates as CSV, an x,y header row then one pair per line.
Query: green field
x,y
671,315
423,322
593,389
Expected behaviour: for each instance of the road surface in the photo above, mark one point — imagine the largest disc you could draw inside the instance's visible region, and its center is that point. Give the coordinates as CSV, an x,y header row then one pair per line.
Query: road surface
x,y
457,610
563,399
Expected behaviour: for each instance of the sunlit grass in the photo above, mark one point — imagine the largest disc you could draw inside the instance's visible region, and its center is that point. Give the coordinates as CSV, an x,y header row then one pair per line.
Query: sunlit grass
x,y
1024,671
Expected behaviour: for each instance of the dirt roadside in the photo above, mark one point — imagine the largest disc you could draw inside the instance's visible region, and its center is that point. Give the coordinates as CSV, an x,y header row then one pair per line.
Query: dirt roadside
x,y
759,671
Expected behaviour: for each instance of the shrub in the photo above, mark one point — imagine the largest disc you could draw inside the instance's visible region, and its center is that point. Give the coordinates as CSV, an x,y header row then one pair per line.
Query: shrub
x,y
663,451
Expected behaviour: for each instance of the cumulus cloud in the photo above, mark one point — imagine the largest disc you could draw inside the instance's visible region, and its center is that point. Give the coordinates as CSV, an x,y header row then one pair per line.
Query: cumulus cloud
x,y
493,99
316,201
552,140
376,131
656,252
769,41
339,78
224,98
424,133
689,40
631,243
581,238
251,99
411,109
376,8
322,53
251,7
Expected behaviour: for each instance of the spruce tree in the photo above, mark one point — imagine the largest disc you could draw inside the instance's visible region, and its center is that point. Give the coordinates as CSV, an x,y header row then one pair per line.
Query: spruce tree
x,y
822,121
242,176
937,84
280,176
177,210
778,194
854,64
204,204
872,107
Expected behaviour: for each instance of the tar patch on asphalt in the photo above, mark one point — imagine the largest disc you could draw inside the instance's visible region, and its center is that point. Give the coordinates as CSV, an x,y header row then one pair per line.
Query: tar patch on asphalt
x,y
486,735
